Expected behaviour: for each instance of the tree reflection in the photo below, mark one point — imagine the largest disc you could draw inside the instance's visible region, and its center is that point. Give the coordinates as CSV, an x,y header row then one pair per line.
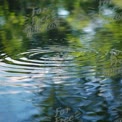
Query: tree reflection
x,y
77,25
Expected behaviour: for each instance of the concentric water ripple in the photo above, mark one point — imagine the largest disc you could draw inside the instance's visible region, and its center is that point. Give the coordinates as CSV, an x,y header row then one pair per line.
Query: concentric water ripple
x,y
41,61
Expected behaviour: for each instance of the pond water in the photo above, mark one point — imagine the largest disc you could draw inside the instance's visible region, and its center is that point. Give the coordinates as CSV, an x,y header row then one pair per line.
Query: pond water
x,y
60,61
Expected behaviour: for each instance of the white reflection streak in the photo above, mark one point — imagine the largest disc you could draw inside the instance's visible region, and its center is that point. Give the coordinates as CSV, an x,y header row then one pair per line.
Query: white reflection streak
x,y
14,92
19,62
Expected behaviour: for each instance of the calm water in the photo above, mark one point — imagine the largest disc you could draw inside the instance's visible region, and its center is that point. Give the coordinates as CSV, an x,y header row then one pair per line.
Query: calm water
x,y
60,61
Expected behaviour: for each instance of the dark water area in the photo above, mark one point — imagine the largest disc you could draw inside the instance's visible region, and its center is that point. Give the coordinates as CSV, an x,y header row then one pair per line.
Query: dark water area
x,y
60,61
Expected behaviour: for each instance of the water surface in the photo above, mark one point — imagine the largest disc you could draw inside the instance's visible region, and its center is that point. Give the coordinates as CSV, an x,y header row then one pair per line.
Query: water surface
x,y
60,61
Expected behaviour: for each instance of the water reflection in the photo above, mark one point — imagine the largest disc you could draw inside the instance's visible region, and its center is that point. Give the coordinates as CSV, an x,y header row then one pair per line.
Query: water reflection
x,y
51,78
70,72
